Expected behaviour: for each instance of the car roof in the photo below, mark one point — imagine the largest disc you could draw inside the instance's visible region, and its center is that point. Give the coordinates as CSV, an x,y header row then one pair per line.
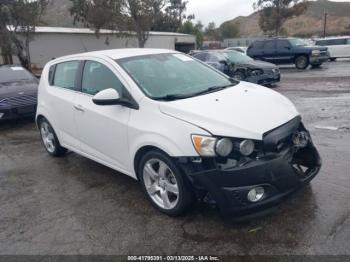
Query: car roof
x,y
121,53
332,38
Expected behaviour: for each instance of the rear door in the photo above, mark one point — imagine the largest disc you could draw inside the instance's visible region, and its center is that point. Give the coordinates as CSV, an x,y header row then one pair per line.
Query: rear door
x,y
63,87
270,51
102,129
284,53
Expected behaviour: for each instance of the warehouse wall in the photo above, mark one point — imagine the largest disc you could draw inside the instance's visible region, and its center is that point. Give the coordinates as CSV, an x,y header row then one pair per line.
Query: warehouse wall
x,y
46,46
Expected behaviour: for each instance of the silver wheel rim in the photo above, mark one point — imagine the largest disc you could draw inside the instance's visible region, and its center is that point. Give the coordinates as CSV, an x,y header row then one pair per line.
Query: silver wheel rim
x,y
47,137
302,62
161,184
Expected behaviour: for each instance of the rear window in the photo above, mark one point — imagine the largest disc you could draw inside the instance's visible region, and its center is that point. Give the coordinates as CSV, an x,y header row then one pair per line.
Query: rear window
x,y
270,44
257,45
10,74
65,74
328,42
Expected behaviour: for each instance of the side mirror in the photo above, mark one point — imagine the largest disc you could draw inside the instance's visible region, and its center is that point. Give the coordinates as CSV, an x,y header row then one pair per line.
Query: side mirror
x,y
224,62
107,97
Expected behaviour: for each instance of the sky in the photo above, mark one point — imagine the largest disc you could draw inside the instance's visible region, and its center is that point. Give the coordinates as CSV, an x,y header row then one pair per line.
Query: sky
x,y
222,10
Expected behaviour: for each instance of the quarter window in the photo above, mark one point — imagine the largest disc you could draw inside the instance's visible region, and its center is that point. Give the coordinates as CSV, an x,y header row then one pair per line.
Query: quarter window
x,y
98,77
65,74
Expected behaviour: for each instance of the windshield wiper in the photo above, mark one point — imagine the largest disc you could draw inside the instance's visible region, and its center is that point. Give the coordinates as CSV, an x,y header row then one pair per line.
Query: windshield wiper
x,y
171,97
212,89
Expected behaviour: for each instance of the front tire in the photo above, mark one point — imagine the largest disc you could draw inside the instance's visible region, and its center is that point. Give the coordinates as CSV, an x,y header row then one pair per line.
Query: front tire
x,y
302,62
50,140
239,76
164,184
316,65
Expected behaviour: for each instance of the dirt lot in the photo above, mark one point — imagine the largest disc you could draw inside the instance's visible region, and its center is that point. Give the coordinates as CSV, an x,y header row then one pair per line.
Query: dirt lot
x,y
75,206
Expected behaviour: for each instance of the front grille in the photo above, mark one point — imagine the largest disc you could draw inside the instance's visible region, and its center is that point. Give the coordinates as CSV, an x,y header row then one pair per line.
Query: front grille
x,y
22,100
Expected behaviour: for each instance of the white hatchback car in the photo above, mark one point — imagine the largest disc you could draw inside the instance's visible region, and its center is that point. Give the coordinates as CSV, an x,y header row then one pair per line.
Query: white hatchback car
x,y
186,131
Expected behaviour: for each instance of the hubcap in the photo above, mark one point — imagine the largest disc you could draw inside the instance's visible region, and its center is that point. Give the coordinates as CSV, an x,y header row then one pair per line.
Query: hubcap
x,y
161,184
47,137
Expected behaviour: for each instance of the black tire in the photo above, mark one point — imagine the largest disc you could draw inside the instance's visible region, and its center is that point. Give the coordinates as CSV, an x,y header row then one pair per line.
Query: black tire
x,y
185,192
239,76
316,65
301,62
332,59
58,150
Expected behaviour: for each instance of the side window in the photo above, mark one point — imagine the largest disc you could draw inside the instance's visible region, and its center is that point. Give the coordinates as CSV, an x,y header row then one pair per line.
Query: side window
x,y
348,41
213,58
270,45
65,74
258,45
282,44
97,77
201,56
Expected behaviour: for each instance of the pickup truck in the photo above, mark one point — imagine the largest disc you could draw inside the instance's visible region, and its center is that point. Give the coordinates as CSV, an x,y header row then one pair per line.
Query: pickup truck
x,y
288,51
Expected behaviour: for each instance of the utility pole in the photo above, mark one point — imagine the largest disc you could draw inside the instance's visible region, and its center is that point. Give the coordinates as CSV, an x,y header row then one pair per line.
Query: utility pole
x,y
325,23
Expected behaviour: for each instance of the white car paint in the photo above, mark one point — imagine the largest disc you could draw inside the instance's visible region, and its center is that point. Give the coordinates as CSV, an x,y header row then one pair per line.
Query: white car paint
x,y
338,47
112,135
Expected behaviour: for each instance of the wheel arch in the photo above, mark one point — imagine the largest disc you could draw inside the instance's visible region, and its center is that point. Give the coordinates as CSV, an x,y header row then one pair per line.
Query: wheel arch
x,y
141,152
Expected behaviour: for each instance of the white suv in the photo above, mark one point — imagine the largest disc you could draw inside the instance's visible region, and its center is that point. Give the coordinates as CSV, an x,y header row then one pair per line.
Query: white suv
x,y
338,47
186,131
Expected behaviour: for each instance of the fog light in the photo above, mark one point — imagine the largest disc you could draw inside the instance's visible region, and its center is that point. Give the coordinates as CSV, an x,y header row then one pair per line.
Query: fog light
x,y
256,194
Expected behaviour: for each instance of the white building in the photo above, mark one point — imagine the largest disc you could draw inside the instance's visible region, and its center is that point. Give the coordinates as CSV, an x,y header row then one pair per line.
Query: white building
x,y
53,42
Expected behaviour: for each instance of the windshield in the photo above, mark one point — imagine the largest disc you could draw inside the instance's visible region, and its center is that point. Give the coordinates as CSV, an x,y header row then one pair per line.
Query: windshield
x,y
14,74
164,75
237,57
297,42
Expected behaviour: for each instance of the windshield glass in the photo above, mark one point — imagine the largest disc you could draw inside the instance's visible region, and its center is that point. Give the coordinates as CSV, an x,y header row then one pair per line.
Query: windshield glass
x,y
297,42
14,74
163,75
237,57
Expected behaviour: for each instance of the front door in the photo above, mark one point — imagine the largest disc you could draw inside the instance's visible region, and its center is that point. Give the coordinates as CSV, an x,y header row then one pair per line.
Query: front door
x,y
102,129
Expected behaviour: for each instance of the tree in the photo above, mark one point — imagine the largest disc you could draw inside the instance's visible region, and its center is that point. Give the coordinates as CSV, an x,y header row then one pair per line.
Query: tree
x,y
170,17
229,30
18,20
194,29
123,16
212,33
274,13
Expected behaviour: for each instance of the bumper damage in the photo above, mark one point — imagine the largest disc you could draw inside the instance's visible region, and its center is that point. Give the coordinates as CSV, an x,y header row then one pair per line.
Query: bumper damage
x,y
279,173
18,112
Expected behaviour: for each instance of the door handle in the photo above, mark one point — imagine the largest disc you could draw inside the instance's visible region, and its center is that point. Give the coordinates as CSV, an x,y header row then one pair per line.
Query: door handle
x,y
79,108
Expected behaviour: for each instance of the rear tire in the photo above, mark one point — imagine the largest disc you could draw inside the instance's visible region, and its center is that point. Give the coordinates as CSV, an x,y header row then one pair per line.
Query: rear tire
x,y
164,184
332,59
50,140
301,62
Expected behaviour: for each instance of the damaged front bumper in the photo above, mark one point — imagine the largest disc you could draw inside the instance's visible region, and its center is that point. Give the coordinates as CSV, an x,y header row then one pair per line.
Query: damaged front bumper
x,y
267,78
279,173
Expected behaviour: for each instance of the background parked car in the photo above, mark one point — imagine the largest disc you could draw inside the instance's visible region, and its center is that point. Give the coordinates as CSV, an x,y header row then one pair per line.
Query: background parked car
x,y
18,92
241,49
240,66
338,47
288,51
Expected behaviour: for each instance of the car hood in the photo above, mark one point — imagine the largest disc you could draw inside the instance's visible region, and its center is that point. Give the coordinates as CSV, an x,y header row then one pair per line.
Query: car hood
x,y
18,88
243,111
258,64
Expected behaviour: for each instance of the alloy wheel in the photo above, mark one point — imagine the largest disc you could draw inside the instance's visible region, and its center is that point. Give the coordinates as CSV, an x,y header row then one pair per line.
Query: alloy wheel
x,y
48,137
161,184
